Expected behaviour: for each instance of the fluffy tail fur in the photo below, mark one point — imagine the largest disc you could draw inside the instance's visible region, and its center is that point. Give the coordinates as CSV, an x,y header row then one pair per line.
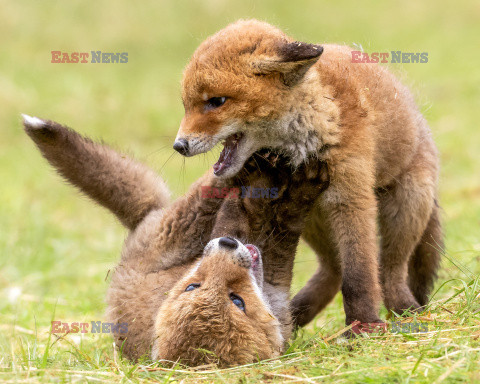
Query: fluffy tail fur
x,y
127,188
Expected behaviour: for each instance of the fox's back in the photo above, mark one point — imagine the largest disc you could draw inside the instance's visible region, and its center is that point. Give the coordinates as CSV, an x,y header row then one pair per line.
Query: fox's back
x,y
370,95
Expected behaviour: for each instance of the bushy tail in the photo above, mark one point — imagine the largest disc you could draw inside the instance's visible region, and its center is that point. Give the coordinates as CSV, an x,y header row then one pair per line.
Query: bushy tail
x,y
127,188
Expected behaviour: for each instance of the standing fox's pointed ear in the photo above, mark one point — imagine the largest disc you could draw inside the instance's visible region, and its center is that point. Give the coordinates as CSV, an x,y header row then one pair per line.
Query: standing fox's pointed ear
x,y
292,60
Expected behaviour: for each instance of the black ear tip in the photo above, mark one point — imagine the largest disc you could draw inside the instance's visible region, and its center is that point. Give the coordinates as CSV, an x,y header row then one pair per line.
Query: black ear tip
x,y
298,51
315,50
318,48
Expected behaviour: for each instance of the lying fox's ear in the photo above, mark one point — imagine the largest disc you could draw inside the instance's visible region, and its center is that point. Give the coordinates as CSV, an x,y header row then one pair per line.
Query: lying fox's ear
x,y
292,60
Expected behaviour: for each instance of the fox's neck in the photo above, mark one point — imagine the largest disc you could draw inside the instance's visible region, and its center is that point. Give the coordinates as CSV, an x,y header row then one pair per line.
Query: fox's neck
x,y
311,123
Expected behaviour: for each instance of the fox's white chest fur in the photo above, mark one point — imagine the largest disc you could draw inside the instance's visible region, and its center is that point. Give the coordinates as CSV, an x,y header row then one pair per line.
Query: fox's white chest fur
x,y
309,126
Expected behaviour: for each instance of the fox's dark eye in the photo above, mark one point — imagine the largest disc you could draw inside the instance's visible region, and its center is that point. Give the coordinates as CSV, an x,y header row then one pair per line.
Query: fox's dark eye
x,y
238,301
215,102
191,287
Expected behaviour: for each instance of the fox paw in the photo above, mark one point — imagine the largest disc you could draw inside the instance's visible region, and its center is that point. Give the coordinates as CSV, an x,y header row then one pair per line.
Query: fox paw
x,y
309,180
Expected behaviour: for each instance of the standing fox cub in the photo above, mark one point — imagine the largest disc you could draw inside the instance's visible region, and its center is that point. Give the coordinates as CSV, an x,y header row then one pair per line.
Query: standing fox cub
x,y
251,86
182,286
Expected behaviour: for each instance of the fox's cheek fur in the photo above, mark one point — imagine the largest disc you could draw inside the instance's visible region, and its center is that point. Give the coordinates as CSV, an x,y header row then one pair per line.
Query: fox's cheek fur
x,y
198,122
199,133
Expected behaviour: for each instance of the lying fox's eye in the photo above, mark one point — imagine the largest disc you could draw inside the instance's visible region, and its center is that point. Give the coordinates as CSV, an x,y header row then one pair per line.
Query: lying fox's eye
x,y
215,102
191,287
238,301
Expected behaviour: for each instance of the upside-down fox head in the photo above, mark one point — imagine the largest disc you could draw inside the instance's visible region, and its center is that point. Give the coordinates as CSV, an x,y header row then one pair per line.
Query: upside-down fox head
x,y
217,311
237,89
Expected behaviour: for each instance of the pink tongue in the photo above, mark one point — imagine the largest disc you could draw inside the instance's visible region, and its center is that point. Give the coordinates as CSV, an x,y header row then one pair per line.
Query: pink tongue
x,y
225,159
223,162
253,251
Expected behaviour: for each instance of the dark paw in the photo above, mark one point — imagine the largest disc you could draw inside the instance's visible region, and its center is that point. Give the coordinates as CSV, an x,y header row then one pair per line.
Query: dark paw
x,y
402,304
312,170
302,314
309,181
265,170
264,161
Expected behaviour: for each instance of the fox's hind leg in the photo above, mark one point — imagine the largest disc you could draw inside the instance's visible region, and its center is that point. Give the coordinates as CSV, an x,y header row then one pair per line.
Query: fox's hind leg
x,y
405,209
322,287
423,265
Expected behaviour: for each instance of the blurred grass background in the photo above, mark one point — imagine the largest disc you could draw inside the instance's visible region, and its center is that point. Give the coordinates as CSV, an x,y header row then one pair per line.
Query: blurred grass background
x,y
56,247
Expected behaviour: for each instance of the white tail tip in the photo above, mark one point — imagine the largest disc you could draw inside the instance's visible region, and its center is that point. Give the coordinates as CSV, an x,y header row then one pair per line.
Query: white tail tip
x,y
33,121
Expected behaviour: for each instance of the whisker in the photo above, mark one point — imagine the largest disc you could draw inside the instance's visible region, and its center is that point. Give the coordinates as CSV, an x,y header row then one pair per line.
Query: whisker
x,y
183,171
157,150
166,161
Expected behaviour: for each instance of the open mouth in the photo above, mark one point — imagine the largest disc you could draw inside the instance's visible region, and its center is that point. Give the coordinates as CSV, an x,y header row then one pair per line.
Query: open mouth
x,y
230,147
255,253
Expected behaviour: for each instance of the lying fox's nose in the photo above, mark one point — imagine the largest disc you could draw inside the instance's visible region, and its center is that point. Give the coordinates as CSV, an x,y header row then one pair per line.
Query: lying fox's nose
x,y
228,242
181,146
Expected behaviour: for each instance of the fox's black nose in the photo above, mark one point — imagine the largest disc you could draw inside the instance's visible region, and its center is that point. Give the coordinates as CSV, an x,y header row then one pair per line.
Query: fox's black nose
x,y
181,146
228,242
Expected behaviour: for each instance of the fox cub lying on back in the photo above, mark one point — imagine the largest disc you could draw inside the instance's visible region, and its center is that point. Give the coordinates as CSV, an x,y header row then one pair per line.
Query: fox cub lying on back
x,y
181,285
251,86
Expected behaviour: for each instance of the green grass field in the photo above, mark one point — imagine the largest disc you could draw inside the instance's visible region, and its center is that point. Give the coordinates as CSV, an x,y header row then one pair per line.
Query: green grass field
x,y
56,247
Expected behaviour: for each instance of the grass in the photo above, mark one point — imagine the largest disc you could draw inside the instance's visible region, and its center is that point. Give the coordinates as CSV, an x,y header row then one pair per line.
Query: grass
x,y
56,247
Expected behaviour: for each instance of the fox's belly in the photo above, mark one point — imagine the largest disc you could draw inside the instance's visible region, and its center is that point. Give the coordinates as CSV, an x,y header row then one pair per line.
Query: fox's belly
x,y
397,147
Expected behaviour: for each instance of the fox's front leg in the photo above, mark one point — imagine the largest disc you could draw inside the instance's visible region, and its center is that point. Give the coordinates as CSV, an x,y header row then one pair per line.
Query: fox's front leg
x,y
179,233
352,210
274,224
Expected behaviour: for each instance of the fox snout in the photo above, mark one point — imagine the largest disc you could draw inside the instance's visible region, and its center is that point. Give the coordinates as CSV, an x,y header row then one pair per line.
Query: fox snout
x,y
244,255
198,133
181,146
228,242
191,145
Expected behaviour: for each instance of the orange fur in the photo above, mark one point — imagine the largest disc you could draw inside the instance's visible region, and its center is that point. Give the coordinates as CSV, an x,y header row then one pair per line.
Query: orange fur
x,y
306,100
